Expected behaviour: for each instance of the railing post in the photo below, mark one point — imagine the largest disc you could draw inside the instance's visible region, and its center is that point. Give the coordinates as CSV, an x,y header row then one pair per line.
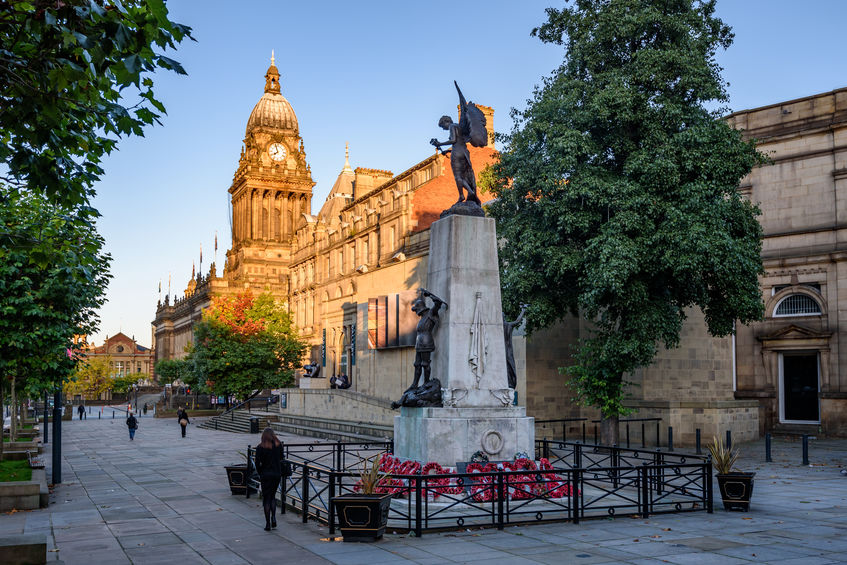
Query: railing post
x,y
338,456
627,435
709,485
806,450
331,505
500,497
643,436
768,448
729,439
595,433
575,484
304,488
577,455
658,421
697,440
659,474
546,448
644,488
583,431
670,438
564,432
418,506
249,470
616,454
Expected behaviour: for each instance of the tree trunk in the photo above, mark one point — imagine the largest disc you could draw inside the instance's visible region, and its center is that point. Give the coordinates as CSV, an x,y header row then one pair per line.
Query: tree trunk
x,y
2,419
609,430
13,430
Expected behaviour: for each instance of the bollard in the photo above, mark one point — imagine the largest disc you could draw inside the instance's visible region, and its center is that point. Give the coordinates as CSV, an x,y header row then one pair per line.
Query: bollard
x,y
768,448
697,440
99,414
113,414
670,438
729,439
805,444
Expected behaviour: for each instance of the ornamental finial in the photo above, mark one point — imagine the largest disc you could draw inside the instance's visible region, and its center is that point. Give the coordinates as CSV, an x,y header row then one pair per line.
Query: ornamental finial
x,y
272,58
347,157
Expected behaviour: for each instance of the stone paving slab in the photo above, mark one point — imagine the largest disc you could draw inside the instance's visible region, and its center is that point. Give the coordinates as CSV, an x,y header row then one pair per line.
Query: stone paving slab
x,y
164,499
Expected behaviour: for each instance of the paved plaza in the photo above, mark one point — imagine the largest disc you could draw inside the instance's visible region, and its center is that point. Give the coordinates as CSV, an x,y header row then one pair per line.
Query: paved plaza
x,y
165,499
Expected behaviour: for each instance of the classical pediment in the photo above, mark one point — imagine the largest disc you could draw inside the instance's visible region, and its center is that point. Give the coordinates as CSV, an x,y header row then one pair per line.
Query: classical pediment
x,y
794,332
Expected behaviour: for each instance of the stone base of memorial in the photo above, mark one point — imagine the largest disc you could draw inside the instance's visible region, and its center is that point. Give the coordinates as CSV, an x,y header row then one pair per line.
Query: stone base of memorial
x,y
451,435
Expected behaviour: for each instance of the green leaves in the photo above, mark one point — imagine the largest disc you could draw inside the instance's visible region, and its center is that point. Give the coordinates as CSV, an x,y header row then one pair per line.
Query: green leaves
x,y
64,71
53,278
244,344
617,191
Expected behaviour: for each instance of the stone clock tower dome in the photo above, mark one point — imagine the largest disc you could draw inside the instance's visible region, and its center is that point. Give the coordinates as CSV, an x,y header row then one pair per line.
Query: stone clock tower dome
x,y
270,191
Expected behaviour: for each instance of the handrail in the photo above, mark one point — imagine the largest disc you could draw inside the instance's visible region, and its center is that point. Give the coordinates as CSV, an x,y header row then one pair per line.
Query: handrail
x,y
240,404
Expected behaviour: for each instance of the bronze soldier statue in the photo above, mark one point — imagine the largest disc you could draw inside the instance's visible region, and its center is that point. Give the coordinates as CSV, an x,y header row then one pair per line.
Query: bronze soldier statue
x,y
428,392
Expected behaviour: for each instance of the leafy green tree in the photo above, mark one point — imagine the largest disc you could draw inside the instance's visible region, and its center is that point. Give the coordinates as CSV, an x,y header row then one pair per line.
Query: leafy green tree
x,y
66,69
53,277
170,370
122,384
245,344
617,190
91,378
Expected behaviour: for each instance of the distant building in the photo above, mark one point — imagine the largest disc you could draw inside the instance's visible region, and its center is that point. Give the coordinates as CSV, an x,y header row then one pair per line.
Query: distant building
x,y
127,357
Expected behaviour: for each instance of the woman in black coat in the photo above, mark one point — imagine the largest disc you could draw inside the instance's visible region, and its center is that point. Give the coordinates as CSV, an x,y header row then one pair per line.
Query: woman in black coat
x,y
269,468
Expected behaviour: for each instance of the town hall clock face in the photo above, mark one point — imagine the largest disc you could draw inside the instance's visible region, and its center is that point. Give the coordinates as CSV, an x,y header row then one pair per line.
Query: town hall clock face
x,y
277,151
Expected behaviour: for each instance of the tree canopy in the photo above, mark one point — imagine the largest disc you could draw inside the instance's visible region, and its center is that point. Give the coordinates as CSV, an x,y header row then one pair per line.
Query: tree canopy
x,y
617,190
245,343
53,277
66,70
170,370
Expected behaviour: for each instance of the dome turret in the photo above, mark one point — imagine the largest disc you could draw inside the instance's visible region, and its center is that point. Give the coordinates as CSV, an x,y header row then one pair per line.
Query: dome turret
x,y
272,111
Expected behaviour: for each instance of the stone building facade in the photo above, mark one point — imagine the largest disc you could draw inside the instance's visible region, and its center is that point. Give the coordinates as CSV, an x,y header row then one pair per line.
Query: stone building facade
x,y
127,357
786,373
366,248
792,364
349,272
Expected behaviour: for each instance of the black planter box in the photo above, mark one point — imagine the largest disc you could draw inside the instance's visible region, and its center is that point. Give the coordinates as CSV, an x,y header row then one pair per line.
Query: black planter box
x,y
736,490
237,477
362,517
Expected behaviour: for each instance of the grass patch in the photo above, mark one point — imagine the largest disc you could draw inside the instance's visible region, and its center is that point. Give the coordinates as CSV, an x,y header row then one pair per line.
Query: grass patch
x,y
15,471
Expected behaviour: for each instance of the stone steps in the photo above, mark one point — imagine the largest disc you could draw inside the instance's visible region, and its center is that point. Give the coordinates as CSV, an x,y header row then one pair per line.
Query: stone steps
x,y
237,421
337,430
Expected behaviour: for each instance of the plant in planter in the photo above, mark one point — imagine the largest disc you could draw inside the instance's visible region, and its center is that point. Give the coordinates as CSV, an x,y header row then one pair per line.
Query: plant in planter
x,y
237,476
363,515
736,486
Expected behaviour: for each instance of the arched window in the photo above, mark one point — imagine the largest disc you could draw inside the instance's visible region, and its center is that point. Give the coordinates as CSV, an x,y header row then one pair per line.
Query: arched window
x,y
797,305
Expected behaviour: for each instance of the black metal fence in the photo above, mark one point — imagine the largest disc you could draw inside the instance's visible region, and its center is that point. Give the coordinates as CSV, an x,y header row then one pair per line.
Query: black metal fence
x,y
576,428
581,481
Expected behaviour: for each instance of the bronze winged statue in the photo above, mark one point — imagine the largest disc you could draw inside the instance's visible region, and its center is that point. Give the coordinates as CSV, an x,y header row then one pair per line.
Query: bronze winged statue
x,y
471,128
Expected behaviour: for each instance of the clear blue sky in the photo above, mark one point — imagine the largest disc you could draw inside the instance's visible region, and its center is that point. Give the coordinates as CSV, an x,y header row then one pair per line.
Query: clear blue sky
x,y
377,75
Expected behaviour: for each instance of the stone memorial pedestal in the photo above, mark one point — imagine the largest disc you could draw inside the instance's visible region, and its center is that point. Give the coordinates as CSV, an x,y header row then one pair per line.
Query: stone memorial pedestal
x,y
469,357
450,435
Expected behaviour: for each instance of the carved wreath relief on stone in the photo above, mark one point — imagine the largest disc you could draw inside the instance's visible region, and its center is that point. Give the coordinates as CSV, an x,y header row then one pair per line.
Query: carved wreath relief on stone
x,y
492,442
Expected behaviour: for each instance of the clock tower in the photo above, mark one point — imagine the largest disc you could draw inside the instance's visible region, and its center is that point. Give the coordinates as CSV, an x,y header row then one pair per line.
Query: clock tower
x,y
271,190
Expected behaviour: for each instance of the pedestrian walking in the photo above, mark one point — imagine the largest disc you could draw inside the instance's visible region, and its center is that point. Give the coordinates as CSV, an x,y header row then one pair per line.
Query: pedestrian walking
x,y
269,467
132,424
182,418
145,408
81,411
